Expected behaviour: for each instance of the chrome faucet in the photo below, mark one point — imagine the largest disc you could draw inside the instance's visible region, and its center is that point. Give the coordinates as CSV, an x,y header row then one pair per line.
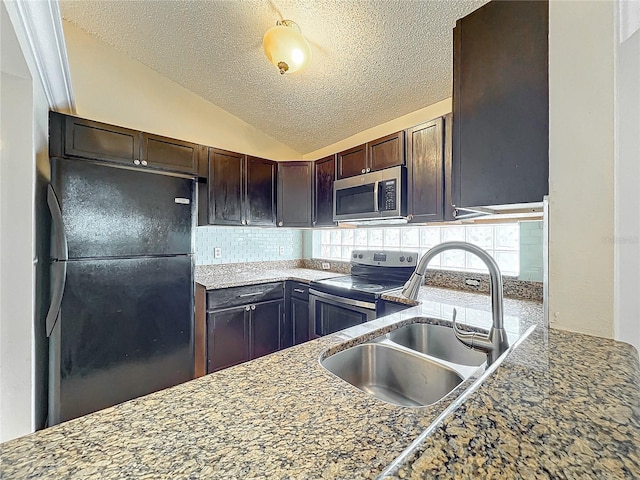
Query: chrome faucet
x,y
493,343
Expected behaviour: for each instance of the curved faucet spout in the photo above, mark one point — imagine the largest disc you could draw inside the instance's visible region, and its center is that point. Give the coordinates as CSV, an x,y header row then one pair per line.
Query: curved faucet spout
x,y
495,342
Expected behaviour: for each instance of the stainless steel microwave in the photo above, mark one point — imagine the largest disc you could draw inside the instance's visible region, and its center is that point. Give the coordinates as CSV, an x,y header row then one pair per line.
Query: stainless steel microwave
x,y
371,197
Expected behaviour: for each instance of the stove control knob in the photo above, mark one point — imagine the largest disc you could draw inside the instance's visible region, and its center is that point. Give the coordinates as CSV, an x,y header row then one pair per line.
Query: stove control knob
x,y
360,256
355,255
402,259
409,259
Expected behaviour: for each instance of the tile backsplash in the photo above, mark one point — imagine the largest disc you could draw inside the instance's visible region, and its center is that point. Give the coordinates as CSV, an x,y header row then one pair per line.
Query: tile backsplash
x,y
254,244
531,251
238,244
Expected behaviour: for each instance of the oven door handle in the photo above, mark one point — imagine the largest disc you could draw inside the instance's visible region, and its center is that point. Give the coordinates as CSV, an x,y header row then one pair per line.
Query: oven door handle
x,y
341,301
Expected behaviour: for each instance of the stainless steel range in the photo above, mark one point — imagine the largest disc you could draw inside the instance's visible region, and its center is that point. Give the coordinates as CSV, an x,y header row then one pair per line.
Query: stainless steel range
x,y
342,302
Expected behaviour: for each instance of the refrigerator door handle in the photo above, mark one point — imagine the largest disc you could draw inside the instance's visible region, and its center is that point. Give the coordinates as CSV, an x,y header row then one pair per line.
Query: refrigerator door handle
x,y
59,254
59,249
58,280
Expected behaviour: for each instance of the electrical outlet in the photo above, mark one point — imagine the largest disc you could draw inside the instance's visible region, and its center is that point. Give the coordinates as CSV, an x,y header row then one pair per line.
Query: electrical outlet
x,y
326,265
281,250
217,252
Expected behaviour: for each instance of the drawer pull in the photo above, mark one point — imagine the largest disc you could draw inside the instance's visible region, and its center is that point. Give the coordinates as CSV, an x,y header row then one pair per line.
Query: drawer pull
x,y
250,294
299,290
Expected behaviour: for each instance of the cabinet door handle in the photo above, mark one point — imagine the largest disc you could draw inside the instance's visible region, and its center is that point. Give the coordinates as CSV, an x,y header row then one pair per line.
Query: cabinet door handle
x,y
246,308
368,170
250,294
136,162
280,224
364,170
253,307
299,290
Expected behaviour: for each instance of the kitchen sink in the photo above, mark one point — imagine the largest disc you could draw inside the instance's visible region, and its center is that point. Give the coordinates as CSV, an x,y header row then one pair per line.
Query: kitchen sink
x,y
395,375
438,341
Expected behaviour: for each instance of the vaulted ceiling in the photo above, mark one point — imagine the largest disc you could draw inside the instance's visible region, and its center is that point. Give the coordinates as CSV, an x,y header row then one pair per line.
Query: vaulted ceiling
x,y
373,61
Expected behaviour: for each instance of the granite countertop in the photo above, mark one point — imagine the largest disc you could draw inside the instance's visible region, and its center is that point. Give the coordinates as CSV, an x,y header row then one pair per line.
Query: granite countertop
x,y
560,406
237,274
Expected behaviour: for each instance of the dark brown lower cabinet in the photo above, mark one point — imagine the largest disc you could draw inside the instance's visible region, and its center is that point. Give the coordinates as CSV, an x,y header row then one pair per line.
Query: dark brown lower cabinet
x,y
297,327
301,329
240,334
266,323
227,338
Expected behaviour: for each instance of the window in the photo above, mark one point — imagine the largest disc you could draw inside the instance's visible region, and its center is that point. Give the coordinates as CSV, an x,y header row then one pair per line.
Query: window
x,y
502,241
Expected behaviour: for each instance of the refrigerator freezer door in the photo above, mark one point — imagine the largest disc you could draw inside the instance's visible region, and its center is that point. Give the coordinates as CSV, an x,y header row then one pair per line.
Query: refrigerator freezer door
x,y
125,329
109,211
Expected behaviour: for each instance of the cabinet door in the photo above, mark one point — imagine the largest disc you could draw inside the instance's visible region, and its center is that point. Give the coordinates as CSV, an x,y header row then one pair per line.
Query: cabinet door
x,y
294,194
325,173
300,321
227,338
99,141
425,171
501,105
225,187
386,152
266,322
260,192
352,162
169,154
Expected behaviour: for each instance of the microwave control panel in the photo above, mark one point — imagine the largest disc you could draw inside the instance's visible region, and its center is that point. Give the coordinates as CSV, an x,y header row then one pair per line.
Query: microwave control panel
x,y
389,195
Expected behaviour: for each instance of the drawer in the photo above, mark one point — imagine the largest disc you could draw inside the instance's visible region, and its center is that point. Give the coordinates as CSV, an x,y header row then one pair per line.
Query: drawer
x,y
236,296
299,290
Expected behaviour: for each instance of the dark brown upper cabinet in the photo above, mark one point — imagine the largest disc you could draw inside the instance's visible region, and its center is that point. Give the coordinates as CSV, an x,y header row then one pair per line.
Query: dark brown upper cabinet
x,y
295,194
425,172
78,137
242,190
384,152
226,187
501,105
352,162
324,174
169,154
260,191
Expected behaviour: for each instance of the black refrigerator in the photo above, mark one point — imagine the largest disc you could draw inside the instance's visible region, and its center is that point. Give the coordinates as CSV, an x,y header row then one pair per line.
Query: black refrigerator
x,y
120,323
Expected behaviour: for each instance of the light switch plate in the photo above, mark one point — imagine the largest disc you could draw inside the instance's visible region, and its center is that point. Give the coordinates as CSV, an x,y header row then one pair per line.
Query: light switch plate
x,y
217,252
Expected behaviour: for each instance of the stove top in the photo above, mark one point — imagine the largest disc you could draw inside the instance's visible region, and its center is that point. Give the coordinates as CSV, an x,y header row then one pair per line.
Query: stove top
x,y
362,284
372,274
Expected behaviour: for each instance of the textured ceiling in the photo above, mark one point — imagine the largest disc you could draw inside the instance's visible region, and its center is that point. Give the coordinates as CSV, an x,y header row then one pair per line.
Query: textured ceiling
x,y
373,61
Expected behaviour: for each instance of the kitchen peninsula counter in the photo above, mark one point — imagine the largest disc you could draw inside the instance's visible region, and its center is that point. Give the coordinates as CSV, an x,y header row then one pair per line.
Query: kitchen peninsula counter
x,y
561,405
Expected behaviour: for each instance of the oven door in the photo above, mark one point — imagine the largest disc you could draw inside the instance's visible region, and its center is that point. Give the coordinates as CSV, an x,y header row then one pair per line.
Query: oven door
x,y
330,313
355,201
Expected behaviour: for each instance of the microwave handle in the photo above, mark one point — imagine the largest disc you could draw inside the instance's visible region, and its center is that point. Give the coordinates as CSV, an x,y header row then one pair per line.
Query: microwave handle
x,y
376,196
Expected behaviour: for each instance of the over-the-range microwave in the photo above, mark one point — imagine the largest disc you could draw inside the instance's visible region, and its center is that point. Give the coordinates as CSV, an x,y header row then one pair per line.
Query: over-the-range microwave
x,y
371,197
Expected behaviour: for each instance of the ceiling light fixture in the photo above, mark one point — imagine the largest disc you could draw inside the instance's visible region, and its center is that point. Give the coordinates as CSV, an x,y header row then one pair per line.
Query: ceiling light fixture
x,y
286,48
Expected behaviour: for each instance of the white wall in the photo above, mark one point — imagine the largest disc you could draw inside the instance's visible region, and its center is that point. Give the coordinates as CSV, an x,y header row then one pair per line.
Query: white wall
x,y
16,238
112,88
581,166
406,121
627,174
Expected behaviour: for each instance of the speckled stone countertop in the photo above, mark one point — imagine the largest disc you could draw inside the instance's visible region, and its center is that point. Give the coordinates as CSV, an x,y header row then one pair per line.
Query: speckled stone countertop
x,y
560,406
239,274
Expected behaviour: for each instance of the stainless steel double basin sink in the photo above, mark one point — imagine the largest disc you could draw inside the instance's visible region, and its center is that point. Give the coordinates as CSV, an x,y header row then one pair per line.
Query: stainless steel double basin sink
x,y
414,365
